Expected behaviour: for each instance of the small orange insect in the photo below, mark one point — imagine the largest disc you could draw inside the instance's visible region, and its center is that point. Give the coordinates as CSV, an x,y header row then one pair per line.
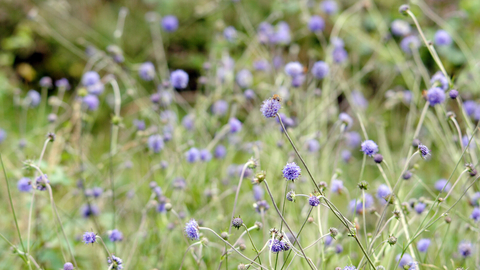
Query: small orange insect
x,y
277,98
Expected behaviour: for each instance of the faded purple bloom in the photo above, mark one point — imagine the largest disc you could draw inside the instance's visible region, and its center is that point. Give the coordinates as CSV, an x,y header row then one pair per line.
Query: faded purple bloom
x,y
89,237
249,94
320,69
419,207
170,23
475,214
329,6
408,43
357,205
282,35
89,210
338,249
400,28
261,65
439,80
291,171
188,121
91,101
442,38
313,145
179,79
470,106
423,244
443,184
298,80
230,33
24,184
235,125
345,119
220,107
383,191
261,206
147,71
346,156
33,98
45,82
191,230
63,83
155,143
339,55
336,186
359,100
353,139
465,141
68,266
244,78
293,69
465,249
205,155
316,24
369,147
90,78
139,124
351,267
258,192
115,235
220,152
192,155
96,89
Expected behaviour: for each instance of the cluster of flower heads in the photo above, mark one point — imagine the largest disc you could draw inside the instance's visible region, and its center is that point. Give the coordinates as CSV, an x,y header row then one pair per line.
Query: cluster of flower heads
x,y
277,245
191,230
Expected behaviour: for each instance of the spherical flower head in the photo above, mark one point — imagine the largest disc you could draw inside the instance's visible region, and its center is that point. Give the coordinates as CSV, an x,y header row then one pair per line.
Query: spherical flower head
x,y
191,230
89,237
33,98
423,244
359,100
192,155
293,69
41,182
313,201
465,249
285,245
338,249
115,236
96,89
336,186
261,65
470,106
45,82
220,107
282,35
357,205
139,124
383,191
400,28
403,9
320,69
351,267
155,143
378,158
442,38
235,125
237,223
313,145
329,6
443,185
346,156
90,78
170,23
261,206
244,78
339,55
291,171
91,102
439,80
258,192
298,80
205,155
424,151
230,33
475,214
407,175
220,152
24,184
275,245
97,192
68,266
270,107
453,94
147,71
369,148
115,262
290,196
63,83
249,94
345,119
353,139
408,43
89,210
316,24
419,207
407,96
404,260
179,79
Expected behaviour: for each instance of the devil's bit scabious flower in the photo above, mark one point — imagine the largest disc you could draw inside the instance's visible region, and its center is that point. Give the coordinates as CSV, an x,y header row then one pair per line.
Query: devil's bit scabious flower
x,y
68,266
33,98
443,184
237,223
400,28
261,65
90,78
257,192
235,125
230,33
249,94
147,71
191,230
155,143
179,79
293,69
351,267
192,155
205,155
345,119
91,101
353,139
313,200
378,158
408,43
383,191
359,100
270,107
475,214
329,7
291,196
62,83
424,151
170,23
419,207
89,237
423,244
339,55
313,145
291,171
89,210
404,260
465,249
45,82
220,152
275,246
369,147
336,186
116,262
316,23
453,94
220,107
261,206
115,235
320,69
24,184
442,38
244,78
470,106
41,182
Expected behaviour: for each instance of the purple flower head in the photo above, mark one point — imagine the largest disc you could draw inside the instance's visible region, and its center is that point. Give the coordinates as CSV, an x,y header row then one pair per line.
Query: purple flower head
x,y
453,94
475,199
230,33
298,80
328,240
139,124
205,155
90,78
275,245
359,100
63,83
400,28
192,155
249,94
408,43
357,205
339,55
291,171
277,61
270,107
155,143
475,214
316,24
41,182
470,106
115,235
424,151
33,98
220,152
261,206
91,101
97,192
265,31
89,210
115,262
24,184
383,191
179,183
170,23
179,79
188,121
419,207
476,114
442,38
407,96
338,249
465,249
235,125
89,237
191,230
345,119
96,89
329,6
313,145
439,80
346,156
369,147
443,184
336,186
423,244
282,34
258,192
293,69
404,260
320,69
261,65
220,107
351,267
353,139
68,266
337,42
313,201
244,78
45,82
147,71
